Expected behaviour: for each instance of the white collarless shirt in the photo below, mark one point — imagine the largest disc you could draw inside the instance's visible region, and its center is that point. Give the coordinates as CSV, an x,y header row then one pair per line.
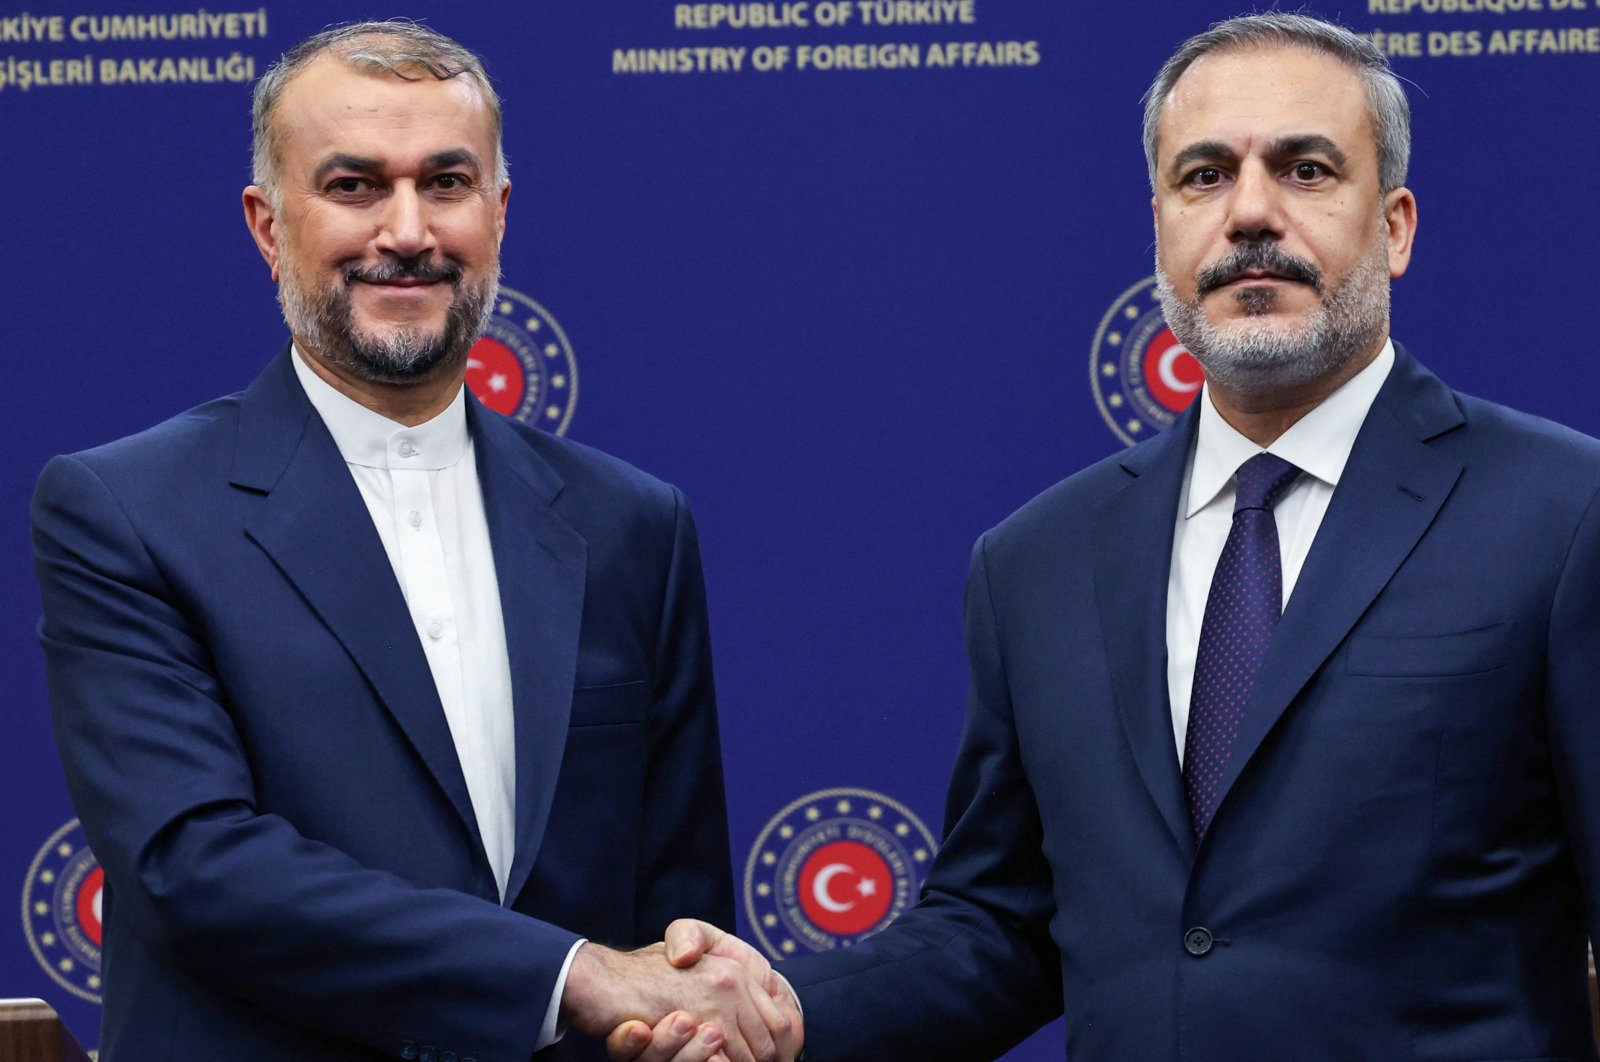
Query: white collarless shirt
x,y
1319,444
421,489
422,492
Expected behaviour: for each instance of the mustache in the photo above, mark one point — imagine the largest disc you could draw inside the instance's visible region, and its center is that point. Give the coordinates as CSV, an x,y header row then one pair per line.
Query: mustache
x,y
423,269
1257,258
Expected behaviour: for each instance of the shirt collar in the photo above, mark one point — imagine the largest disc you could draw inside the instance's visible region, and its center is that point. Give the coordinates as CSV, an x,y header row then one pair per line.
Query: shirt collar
x,y
1319,443
374,441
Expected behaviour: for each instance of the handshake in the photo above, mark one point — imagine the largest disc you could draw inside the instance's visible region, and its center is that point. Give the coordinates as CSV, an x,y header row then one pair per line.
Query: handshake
x,y
701,995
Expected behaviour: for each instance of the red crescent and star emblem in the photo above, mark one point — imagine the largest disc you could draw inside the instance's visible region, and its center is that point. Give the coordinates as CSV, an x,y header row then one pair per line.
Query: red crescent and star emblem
x,y
833,868
523,367
1142,377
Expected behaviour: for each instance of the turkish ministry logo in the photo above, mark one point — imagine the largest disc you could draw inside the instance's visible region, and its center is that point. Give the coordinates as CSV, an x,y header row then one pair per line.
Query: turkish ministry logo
x,y
1141,375
833,868
61,911
522,365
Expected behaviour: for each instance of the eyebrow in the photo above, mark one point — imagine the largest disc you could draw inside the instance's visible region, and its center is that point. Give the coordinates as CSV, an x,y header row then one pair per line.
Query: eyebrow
x,y
454,158
342,161
1283,147
439,160
1307,144
1204,150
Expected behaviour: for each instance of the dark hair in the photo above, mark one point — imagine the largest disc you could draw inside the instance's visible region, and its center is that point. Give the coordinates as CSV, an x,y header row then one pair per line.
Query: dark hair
x,y
1386,100
399,48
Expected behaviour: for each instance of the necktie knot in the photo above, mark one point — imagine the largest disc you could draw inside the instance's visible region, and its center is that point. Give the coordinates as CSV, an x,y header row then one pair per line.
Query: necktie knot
x,y
1261,481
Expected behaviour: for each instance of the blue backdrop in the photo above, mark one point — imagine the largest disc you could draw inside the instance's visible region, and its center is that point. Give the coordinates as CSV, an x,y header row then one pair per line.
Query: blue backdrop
x,y
858,302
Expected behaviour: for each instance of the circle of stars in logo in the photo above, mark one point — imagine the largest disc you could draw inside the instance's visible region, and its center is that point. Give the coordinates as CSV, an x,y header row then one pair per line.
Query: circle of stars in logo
x,y
523,365
1118,368
887,853
60,912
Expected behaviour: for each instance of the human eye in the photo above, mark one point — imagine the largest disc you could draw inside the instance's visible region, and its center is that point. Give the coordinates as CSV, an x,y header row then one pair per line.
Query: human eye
x,y
452,184
1204,177
1308,172
348,187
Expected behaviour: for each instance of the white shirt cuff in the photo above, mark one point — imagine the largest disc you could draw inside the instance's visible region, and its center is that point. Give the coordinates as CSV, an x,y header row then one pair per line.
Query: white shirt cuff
x,y
548,1032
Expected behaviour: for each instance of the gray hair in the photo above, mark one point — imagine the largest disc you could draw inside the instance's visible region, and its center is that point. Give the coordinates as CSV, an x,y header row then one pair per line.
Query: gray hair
x,y
1386,100
398,48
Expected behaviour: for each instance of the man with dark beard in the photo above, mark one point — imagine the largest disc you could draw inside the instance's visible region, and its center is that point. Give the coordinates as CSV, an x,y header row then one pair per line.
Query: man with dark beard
x,y
1282,738
375,705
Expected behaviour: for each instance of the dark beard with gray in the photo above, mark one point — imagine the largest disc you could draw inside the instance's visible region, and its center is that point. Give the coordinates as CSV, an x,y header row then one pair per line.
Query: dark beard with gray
x,y
1258,356
325,320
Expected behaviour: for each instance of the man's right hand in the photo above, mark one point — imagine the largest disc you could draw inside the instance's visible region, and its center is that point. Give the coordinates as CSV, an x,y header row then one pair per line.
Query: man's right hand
x,y
608,990
690,943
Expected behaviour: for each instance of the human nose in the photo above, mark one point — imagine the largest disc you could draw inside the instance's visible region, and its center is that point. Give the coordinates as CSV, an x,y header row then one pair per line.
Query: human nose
x,y
405,230
1256,206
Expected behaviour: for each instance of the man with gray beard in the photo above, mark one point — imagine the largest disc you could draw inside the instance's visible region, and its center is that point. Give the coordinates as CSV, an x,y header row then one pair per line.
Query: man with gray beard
x,y
386,717
1282,739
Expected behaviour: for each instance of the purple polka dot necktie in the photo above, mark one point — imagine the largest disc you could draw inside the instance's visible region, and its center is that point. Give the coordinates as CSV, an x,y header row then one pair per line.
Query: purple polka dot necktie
x,y
1242,609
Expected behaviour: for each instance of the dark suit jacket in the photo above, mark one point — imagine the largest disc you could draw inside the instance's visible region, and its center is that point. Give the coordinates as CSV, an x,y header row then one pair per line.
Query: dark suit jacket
x,y
1404,862
254,743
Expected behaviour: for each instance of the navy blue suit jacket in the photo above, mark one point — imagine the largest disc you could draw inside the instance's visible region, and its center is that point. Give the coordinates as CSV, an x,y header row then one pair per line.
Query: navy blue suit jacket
x,y
1404,862
254,743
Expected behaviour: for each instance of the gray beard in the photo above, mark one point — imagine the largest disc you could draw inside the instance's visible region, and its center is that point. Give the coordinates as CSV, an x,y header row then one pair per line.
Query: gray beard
x,y
325,321
1256,356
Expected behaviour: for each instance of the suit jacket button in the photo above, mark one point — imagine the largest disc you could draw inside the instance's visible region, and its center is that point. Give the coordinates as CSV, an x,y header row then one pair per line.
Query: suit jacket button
x,y
447,1056
427,1054
1197,941
408,1049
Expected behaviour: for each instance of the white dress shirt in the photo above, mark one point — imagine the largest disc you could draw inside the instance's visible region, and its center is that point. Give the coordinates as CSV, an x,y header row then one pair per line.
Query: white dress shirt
x,y
1319,444
421,489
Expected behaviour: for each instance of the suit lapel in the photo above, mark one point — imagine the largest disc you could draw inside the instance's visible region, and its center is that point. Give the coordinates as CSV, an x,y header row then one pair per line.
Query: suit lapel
x,y
1133,555
316,528
1391,490
541,564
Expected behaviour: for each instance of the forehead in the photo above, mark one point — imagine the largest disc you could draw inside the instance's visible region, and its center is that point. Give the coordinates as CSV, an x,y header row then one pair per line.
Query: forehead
x,y
1253,95
331,106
